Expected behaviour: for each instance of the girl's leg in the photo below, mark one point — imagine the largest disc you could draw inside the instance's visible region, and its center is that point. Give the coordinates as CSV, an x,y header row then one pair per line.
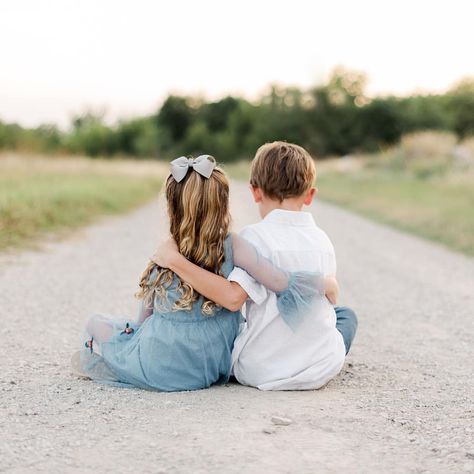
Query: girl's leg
x,y
100,328
91,363
346,324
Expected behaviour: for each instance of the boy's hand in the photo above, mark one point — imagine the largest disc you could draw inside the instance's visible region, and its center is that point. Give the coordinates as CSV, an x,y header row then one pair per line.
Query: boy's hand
x,y
331,289
165,253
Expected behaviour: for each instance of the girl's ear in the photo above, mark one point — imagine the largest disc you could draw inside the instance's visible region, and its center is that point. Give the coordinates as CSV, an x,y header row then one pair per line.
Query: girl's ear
x,y
256,193
310,196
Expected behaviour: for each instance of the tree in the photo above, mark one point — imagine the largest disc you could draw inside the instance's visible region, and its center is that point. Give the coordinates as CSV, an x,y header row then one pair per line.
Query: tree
x,y
461,106
176,116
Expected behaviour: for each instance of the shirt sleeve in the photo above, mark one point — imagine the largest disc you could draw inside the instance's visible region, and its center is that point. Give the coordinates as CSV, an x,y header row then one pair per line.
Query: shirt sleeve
x,y
257,292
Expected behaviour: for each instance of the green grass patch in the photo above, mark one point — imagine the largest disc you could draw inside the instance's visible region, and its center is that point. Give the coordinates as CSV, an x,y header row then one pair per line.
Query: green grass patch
x,y
439,209
239,170
44,201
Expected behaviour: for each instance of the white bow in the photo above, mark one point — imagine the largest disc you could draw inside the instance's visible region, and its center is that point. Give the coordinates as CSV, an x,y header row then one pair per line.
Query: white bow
x,y
203,164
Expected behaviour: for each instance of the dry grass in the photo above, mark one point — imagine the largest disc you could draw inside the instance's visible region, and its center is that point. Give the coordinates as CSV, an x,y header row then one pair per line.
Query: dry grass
x,y
17,163
239,170
438,209
39,194
425,186
427,146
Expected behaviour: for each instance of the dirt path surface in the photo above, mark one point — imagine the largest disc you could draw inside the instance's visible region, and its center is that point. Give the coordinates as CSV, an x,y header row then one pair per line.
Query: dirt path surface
x,y
403,402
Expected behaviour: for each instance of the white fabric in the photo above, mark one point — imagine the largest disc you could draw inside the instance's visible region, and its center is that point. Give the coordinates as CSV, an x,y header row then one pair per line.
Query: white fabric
x,y
271,276
267,353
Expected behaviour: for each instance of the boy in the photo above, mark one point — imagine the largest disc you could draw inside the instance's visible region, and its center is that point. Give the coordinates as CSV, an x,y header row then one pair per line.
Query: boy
x,y
268,354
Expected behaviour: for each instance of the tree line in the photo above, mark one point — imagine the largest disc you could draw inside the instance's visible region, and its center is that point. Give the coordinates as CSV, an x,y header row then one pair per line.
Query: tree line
x,y
335,118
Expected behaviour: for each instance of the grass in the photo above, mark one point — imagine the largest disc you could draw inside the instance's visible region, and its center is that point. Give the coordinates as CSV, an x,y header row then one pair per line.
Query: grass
x,y
239,170
425,185
39,195
438,209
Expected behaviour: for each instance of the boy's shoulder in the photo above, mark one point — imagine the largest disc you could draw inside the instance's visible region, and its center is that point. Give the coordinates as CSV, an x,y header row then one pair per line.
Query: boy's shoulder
x,y
253,232
259,230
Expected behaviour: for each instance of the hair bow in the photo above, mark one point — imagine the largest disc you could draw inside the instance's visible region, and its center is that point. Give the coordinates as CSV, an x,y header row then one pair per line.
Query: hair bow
x,y
203,164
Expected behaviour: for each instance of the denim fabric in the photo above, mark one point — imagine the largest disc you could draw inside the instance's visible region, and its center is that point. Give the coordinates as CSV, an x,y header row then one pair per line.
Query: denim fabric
x,y
346,324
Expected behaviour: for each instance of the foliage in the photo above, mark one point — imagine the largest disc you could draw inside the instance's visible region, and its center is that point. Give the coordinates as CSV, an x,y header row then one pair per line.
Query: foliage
x,y
335,118
461,103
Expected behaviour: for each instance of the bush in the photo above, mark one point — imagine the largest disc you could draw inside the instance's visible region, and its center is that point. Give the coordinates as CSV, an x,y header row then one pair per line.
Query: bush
x,y
432,146
335,118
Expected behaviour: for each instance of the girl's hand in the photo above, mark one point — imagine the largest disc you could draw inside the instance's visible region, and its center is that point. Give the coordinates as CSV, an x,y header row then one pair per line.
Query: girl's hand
x,y
164,254
331,289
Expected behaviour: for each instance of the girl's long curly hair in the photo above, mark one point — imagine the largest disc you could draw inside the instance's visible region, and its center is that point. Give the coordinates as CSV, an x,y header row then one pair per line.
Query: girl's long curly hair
x,y
199,215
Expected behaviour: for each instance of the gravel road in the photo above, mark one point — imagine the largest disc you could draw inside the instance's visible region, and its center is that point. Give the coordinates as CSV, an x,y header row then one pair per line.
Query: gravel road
x,y
403,402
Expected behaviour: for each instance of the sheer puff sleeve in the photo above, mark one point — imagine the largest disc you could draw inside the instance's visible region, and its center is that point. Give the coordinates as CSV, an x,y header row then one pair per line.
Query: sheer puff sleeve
x,y
295,291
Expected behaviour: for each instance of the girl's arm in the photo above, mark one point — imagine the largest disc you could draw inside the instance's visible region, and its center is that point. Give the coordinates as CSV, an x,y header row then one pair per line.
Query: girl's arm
x,y
145,311
230,294
225,293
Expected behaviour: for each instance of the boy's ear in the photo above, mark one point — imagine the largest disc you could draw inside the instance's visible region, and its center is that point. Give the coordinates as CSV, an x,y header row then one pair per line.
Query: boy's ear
x,y
310,196
256,193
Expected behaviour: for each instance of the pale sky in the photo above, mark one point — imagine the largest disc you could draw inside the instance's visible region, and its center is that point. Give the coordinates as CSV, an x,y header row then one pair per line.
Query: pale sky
x,y
60,57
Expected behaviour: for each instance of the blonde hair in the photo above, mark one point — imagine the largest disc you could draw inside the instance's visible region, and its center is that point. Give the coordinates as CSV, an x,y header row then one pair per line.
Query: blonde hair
x,y
282,170
199,215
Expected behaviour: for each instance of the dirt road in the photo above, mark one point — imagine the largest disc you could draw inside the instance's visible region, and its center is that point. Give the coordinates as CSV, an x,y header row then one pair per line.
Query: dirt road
x,y
403,403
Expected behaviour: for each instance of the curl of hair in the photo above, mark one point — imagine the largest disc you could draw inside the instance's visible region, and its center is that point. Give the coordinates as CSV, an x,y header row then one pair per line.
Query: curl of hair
x,y
198,209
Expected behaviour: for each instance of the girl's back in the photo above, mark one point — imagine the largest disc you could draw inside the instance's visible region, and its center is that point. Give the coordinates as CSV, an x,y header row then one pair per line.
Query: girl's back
x,y
174,350
181,341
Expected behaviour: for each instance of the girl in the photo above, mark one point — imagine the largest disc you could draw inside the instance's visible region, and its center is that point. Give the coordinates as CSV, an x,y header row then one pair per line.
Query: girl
x,y
183,341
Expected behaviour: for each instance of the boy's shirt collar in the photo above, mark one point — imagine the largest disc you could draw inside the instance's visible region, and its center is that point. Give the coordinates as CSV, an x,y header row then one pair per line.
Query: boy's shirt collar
x,y
281,216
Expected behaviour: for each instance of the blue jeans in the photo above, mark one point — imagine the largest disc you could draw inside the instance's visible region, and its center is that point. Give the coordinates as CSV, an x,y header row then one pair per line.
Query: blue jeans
x,y
346,324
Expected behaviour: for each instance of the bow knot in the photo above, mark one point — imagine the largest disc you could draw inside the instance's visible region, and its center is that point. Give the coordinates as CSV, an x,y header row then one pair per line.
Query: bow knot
x,y
203,164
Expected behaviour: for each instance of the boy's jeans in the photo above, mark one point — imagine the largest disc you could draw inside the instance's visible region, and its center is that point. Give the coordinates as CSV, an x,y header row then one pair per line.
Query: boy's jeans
x,y
346,324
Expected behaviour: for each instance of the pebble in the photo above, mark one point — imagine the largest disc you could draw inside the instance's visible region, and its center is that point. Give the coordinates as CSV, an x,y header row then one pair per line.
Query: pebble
x,y
280,420
468,467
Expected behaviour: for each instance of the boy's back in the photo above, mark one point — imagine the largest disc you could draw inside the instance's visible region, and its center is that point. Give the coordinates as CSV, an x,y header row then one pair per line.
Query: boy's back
x,y
268,354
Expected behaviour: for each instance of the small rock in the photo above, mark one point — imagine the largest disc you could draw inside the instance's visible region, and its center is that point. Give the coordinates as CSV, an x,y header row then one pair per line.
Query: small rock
x,y
468,467
279,420
268,430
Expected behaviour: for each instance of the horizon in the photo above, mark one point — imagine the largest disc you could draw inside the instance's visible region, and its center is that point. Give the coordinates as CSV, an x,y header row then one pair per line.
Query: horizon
x,y
69,56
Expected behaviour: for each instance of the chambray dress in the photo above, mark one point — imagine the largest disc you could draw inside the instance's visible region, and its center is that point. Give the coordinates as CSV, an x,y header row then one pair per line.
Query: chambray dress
x,y
170,350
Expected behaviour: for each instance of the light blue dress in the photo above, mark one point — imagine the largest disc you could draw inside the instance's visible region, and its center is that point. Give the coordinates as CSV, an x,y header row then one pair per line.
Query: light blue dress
x,y
170,350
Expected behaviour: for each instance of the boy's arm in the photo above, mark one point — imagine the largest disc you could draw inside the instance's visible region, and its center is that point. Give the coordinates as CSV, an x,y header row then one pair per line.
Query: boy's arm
x,y
227,294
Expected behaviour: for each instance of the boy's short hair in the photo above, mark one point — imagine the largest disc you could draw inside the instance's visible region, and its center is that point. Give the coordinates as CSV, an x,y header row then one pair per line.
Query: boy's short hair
x,y
282,170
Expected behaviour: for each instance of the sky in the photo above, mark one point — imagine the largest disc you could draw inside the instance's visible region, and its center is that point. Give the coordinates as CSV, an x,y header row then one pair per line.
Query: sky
x,y
59,58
